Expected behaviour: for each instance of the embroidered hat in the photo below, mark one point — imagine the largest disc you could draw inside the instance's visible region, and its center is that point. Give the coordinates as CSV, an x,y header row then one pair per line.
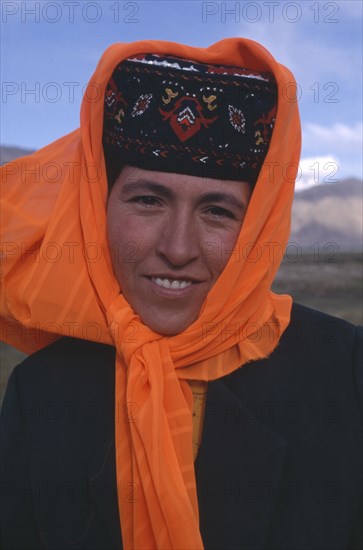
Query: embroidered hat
x,y
176,115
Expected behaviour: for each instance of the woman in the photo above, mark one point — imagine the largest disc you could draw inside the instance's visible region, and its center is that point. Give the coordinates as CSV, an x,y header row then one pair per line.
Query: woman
x,y
162,280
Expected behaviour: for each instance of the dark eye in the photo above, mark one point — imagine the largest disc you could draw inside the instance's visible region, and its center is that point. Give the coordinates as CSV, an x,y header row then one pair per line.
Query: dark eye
x,y
146,200
218,212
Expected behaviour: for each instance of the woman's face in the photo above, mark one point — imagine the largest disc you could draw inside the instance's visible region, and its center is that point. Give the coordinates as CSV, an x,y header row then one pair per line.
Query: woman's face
x,y
171,236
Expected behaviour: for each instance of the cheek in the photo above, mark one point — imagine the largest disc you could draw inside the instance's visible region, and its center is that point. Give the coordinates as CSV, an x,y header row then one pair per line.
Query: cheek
x,y
114,237
119,241
126,237
217,251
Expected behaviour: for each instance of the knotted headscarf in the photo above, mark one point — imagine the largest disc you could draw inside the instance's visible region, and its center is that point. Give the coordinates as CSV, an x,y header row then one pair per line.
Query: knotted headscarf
x,y
58,280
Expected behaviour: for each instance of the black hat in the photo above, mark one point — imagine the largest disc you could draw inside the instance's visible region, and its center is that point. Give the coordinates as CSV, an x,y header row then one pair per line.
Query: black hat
x,y
175,115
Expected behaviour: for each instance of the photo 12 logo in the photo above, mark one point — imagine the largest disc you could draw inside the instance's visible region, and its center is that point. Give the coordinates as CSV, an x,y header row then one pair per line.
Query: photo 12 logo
x,y
70,12
271,12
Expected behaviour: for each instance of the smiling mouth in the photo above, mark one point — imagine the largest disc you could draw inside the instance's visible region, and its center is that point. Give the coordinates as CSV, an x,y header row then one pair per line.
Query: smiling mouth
x,y
174,284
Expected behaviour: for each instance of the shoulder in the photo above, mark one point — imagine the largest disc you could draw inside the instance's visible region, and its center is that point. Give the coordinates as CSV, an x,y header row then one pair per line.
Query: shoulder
x,y
69,366
317,328
65,391
316,336
323,346
318,357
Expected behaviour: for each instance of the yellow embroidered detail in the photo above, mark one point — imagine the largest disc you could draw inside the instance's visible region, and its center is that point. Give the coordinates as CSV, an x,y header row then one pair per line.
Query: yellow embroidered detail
x,y
199,389
120,115
170,95
209,100
259,137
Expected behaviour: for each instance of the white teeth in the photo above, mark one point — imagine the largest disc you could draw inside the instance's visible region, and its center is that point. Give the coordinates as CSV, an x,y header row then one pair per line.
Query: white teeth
x,y
171,283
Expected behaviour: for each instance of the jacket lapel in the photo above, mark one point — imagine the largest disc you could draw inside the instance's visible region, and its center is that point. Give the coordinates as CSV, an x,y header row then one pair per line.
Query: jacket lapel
x,y
104,493
238,470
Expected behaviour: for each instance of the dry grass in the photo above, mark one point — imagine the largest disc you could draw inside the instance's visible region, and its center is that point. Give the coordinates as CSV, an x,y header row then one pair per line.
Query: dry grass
x,y
334,286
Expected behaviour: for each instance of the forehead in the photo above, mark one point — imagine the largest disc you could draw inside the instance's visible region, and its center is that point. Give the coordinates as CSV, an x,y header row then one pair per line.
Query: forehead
x,y
182,185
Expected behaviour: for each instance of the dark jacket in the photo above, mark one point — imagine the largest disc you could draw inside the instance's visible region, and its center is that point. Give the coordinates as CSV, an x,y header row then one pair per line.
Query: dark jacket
x,y
279,465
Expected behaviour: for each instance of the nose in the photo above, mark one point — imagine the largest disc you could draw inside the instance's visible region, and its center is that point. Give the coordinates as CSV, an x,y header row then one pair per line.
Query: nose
x,y
178,242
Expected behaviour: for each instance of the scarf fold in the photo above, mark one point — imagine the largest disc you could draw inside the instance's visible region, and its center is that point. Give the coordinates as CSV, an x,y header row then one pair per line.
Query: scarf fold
x,y
57,280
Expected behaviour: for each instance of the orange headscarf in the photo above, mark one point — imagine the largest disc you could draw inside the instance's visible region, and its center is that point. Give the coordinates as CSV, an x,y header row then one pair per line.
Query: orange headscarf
x,y
58,280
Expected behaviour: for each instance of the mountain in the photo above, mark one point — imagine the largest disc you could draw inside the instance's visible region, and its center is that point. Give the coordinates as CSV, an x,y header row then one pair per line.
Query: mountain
x,y
330,213
323,214
7,154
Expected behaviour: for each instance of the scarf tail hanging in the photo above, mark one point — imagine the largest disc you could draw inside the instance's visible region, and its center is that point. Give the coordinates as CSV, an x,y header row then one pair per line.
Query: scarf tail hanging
x,y
157,499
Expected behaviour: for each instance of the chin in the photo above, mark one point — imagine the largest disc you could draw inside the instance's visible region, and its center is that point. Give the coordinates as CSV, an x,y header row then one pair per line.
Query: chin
x,y
168,326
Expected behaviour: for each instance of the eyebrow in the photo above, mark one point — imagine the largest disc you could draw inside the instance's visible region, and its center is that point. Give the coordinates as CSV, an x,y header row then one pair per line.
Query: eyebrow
x,y
162,190
145,185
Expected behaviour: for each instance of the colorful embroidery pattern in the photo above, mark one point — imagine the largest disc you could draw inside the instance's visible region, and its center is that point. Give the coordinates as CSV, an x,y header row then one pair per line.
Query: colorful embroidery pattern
x,y
186,117
141,105
178,115
237,119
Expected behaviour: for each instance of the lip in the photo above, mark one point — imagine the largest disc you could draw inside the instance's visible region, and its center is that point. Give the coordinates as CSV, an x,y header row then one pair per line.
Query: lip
x,y
173,276
172,292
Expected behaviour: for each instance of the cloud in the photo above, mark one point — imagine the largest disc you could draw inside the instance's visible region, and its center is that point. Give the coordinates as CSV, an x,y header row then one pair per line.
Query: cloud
x,y
314,53
338,137
317,170
338,143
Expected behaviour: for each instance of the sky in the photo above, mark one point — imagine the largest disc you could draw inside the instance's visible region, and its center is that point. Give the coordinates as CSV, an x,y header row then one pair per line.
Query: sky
x,y
49,50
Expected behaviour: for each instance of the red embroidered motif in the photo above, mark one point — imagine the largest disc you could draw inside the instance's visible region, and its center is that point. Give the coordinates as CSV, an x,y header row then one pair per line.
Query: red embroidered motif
x,y
186,118
267,122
